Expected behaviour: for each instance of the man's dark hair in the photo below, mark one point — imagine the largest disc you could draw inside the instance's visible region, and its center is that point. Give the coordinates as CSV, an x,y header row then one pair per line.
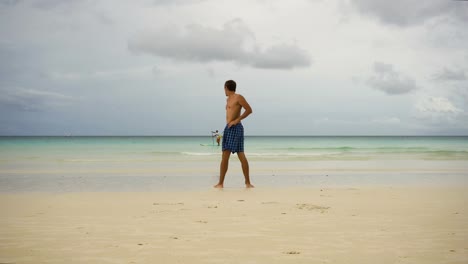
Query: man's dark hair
x,y
230,85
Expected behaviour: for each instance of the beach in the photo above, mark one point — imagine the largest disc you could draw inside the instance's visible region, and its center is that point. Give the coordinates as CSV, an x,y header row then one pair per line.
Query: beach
x,y
235,225
151,200
345,123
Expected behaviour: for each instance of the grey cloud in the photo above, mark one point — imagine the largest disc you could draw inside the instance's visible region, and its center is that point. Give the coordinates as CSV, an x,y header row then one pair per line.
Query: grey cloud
x,y
19,64
282,57
461,95
450,75
197,43
234,42
176,2
20,99
50,4
411,12
45,4
9,2
388,80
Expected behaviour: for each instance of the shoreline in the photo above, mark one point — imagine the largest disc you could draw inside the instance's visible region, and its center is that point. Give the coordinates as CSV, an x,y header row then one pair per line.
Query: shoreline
x,y
202,181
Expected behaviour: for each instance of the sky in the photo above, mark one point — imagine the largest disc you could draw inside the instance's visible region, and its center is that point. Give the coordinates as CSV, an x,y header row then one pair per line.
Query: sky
x,y
306,67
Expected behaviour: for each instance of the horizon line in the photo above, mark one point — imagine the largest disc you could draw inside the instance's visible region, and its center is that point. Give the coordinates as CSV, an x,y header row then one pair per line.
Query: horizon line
x,y
403,135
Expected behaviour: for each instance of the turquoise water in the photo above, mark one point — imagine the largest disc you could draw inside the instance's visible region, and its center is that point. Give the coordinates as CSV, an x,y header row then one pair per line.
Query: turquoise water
x,y
314,148
135,163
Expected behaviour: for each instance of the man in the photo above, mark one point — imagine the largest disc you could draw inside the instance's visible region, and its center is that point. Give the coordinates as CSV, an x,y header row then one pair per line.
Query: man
x,y
233,138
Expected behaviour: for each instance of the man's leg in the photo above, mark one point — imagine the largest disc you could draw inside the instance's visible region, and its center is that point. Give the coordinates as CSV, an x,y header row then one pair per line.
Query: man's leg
x,y
223,168
245,169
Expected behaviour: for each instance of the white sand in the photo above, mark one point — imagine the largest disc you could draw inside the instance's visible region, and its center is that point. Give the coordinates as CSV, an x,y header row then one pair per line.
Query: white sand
x,y
343,225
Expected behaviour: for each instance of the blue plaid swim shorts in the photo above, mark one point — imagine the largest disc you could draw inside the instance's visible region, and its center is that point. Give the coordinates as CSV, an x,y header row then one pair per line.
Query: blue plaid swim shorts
x,y
233,138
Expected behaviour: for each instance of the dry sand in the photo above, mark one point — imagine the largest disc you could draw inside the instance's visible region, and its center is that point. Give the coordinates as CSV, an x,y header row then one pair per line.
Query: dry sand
x,y
290,225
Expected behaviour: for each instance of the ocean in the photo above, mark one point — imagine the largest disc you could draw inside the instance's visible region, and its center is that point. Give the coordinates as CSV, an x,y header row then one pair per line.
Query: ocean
x,y
154,163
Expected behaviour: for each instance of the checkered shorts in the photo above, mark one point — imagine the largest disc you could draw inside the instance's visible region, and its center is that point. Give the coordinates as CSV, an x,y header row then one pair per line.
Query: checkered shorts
x,y
233,138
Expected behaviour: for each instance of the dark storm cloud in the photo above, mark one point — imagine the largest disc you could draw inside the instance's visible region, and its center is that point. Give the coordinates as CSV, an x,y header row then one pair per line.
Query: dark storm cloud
x,y
387,80
234,42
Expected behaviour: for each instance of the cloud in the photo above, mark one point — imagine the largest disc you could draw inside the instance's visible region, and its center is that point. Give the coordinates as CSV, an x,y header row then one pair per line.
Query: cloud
x,y
441,115
235,42
51,4
281,56
9,2
388,80
32,100
176,2
68,5
20,66
410,12
437,105
450,75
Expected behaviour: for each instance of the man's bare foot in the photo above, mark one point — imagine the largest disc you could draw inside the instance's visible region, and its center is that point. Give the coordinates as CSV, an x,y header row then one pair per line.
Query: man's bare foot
x,y
248,185
219,186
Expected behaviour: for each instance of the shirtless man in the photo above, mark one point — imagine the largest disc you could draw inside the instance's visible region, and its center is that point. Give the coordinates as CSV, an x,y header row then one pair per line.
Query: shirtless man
x,y
233,139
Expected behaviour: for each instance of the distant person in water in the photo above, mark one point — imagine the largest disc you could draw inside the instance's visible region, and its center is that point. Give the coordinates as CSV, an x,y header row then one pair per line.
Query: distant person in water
x,y
217,135
233,138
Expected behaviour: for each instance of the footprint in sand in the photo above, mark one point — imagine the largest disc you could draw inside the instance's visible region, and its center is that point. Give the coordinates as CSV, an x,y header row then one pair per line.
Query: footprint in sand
x,y
311,207
292,252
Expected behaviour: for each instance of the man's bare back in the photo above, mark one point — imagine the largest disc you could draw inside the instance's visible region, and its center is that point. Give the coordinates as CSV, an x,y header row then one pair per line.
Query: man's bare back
x,y
234,104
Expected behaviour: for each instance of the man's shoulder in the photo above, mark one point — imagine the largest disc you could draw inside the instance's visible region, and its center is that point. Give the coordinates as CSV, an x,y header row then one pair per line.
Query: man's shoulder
x,y
239,96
